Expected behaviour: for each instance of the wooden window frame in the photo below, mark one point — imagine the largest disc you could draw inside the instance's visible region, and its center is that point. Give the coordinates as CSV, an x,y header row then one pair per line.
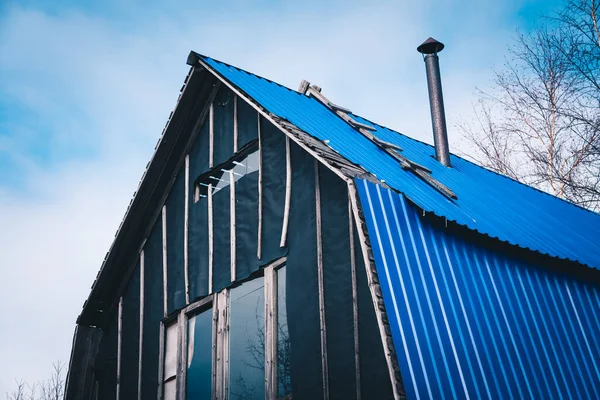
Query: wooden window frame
x,y
220,305
181,319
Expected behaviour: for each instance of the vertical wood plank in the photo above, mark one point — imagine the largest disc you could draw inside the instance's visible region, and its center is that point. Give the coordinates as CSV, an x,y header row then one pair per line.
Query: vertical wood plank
x,y
225,344
235,123
288,192
215,342
354,299
322,319
119,346
164,258
260,174
210,238
186,226
139,389
232,223
221,375
361,230
270,293
161,361
211,135
181,355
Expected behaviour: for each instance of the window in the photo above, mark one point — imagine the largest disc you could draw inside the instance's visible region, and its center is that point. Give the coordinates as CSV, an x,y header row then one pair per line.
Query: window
x,y
233,344
247,341
187,352
199,355
284,381
244,162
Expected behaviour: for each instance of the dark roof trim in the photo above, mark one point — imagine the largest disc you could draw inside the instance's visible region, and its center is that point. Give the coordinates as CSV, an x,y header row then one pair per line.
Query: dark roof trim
x,y
182,126
560,264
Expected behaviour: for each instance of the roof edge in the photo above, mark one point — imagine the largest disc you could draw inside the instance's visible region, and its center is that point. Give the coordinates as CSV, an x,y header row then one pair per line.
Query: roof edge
x,y
148,191
443,219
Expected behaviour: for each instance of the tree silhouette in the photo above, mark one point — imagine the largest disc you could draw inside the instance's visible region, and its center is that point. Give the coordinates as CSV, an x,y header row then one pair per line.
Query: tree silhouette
x,y
51,389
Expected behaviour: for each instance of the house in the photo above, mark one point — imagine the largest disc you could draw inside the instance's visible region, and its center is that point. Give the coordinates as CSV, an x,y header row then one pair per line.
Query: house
x,y
280,246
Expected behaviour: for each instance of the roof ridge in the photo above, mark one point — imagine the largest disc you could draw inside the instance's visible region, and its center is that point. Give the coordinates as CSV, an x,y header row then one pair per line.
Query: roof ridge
x,y
243,70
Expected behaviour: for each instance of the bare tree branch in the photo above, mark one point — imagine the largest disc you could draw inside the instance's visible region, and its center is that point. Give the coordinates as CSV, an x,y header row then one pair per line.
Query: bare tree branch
x,y
52,389
540,124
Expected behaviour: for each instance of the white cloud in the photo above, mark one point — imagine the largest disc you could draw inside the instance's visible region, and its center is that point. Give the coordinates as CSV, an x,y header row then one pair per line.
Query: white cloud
x,y
101,90
51,250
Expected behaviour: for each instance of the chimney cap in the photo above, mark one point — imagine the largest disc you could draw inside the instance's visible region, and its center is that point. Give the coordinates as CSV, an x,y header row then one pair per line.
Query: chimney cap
x,y
430,46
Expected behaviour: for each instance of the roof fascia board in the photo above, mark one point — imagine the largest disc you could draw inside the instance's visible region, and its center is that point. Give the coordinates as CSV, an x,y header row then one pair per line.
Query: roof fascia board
x,y
151,184
376,295
167,189
561,265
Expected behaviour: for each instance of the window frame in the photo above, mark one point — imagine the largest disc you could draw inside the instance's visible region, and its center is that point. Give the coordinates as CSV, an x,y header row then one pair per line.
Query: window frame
x,y
271,321
220,305
180,319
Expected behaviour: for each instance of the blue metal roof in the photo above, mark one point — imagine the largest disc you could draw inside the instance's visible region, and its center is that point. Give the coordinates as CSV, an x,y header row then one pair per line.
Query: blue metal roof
x,y
468,322
487,202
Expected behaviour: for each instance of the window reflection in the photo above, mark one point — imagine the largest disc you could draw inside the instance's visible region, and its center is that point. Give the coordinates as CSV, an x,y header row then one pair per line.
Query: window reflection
x,y
220,177
199,373
284,382
247,341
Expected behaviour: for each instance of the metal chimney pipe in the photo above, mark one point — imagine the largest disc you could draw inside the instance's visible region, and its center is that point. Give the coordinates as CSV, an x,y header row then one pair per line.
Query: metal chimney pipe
x,y
429,49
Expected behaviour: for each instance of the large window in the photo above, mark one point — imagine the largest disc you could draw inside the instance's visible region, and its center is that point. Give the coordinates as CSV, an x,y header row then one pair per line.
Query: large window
x,y
284,381
247,341
233,344
199,355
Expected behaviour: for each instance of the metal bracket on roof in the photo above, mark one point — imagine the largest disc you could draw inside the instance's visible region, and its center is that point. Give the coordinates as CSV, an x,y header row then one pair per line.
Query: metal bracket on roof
x,y
390,148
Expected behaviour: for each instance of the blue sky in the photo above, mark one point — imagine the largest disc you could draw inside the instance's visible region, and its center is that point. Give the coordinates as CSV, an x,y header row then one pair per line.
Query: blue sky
x,y
86,88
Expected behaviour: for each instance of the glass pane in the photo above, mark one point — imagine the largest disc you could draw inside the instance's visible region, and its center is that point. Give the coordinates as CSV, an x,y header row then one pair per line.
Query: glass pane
x,y
284,381
247,341
220,178
171,351
199,382
246,166
170,390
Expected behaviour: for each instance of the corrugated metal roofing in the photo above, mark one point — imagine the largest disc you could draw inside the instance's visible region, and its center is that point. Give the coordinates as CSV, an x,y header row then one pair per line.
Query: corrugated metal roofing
x,y
487,202
472,323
